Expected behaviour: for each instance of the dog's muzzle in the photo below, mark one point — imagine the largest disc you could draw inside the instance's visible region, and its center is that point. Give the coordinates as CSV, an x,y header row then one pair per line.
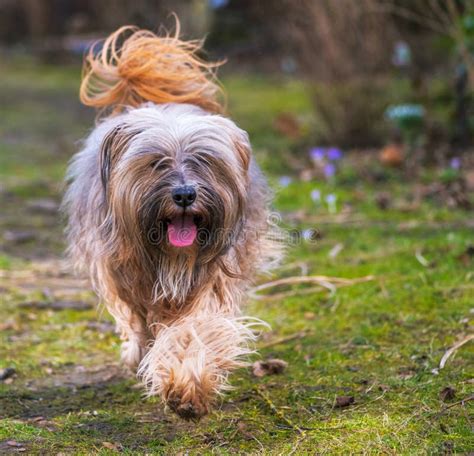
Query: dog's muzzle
x,y
184,196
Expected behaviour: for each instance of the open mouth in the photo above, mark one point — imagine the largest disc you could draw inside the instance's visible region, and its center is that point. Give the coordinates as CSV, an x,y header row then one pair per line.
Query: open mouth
x,y
182,230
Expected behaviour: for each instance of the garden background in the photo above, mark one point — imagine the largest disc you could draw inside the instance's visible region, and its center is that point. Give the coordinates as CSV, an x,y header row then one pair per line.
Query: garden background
x,y
361,115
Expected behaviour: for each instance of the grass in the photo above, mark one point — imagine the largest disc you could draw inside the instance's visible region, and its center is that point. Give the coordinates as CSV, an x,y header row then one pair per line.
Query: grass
x,y
379,341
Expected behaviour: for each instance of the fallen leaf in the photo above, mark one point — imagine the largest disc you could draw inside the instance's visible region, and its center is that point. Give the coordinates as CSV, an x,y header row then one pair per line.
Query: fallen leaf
x,y
383,200
9,324
344,401
335,251
271,366
242,428
42,422
14,444
11,446
448,393
405,373
7,373
112,446
469,178
467,256
391,155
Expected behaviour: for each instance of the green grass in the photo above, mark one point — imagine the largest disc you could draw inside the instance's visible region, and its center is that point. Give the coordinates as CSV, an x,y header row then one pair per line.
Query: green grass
x,y
380,341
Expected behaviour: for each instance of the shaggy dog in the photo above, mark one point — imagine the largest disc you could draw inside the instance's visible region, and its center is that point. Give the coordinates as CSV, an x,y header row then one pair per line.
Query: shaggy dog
x,y
168,214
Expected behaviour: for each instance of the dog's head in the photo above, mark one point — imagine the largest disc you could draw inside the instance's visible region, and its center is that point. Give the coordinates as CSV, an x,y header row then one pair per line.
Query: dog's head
x,y
175,180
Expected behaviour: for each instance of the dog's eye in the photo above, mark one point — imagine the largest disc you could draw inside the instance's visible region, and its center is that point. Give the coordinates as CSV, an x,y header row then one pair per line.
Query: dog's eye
x,y
158,165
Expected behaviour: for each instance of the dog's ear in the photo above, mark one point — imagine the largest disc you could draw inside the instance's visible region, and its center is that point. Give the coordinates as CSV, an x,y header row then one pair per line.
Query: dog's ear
x,y
113,146
243,148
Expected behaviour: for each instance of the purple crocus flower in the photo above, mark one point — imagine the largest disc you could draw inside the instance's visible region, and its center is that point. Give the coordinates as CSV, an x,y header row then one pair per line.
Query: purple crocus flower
x,y
331,198
334,154
284,181
317,153
329,170
455,163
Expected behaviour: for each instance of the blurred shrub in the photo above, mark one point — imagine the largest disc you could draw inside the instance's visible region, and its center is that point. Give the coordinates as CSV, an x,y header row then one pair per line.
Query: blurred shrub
x,y
338,40
343,47
38,21
350,114
450,27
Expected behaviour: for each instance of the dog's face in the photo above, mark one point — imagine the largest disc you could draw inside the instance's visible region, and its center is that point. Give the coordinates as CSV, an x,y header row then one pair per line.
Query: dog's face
x,y
175,180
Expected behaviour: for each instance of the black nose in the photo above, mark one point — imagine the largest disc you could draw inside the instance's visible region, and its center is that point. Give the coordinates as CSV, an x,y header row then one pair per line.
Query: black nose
x,y
184,196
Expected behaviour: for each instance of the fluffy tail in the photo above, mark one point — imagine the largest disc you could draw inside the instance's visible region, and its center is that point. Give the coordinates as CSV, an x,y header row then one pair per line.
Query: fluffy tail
x,y
134,66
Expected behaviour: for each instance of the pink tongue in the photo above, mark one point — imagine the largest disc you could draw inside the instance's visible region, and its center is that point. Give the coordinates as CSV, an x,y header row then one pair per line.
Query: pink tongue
x,y
182,231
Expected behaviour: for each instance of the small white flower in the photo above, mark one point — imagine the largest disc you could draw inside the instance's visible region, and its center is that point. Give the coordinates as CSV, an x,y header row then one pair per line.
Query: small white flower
x,y
316,195
331,200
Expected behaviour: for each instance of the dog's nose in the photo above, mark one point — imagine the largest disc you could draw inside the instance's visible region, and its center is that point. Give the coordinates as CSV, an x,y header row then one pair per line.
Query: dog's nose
x,y
184,196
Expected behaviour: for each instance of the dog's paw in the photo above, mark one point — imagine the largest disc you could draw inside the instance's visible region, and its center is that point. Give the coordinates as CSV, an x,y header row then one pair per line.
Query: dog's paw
x,y
131,353
188,410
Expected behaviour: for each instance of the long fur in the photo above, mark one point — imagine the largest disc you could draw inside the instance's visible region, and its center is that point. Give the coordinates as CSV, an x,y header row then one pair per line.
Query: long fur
x,y
133,66
178,310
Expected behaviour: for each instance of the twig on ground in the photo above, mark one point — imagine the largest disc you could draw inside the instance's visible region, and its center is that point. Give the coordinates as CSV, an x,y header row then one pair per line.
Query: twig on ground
x,y
303,266
336,250
421,259
402,226
297,444
259,391
290,293
283,340
454,404
453,349
461,402
330,283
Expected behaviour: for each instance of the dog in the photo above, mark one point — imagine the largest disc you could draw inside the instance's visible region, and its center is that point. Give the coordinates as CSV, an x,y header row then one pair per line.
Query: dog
x,y
169,215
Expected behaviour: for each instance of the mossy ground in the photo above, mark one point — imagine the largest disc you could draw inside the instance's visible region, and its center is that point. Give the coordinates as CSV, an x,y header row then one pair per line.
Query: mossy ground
x,y
380,341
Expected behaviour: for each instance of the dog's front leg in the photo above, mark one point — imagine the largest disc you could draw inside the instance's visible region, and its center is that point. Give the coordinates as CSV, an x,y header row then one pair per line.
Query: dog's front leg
x,y
133,332
190,359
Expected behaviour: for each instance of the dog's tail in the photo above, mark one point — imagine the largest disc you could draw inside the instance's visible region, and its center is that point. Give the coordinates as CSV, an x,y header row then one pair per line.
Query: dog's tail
x,y
134,66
